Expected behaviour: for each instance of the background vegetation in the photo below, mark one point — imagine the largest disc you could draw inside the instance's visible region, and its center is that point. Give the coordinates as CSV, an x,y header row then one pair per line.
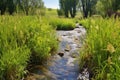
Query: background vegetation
x,y
21,6
68,6
89,7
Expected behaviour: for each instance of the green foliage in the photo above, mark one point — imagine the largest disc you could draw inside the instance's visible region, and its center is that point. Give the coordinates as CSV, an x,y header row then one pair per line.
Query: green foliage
x,y
31,6
100,52
88,7
92,7
23,40
108,9
101,6
13,63
27,6
62,23
42,43
68,6
60,12
7,4
85,23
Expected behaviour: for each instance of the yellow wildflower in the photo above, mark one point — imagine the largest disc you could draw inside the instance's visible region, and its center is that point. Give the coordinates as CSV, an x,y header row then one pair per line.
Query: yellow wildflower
x,y
110,48
109,60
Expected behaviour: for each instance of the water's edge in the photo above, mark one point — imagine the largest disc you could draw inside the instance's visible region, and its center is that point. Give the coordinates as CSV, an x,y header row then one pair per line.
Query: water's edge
x,y
63,65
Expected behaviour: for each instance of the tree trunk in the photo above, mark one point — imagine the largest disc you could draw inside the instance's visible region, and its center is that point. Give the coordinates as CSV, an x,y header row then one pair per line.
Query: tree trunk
x,y
66,13
71,12
85,14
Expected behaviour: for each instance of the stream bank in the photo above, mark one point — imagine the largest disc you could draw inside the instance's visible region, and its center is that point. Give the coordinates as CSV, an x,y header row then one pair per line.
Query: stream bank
x,y
63,65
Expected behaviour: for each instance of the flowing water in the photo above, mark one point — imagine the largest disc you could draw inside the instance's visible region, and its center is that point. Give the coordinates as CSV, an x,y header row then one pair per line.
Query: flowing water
x,y
63,65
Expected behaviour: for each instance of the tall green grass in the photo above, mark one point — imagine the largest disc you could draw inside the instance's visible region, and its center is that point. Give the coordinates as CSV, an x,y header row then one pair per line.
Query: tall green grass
x,y
23,40
62,23
101,51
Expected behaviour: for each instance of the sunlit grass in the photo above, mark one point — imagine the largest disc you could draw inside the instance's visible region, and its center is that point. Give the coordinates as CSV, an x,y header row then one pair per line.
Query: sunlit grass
x,y
23,40
101,51
51,13
62,23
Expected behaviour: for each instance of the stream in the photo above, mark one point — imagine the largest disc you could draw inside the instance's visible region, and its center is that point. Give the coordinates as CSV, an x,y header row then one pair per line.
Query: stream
x,y
63,65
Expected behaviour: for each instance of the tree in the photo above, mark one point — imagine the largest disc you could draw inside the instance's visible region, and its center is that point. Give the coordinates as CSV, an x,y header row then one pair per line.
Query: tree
x,y
68,6
64,5
3,6
32,5
107,9
35,5
24,5
73,4
11,6
7,4
88,7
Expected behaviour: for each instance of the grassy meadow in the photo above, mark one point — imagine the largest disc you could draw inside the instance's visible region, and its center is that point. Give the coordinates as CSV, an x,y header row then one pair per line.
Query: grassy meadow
x,y
32,39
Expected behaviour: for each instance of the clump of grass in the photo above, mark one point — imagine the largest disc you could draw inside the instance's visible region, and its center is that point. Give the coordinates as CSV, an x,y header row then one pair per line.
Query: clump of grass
x,y
23,40
100,53
62,23
13,63
85,23
42,43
